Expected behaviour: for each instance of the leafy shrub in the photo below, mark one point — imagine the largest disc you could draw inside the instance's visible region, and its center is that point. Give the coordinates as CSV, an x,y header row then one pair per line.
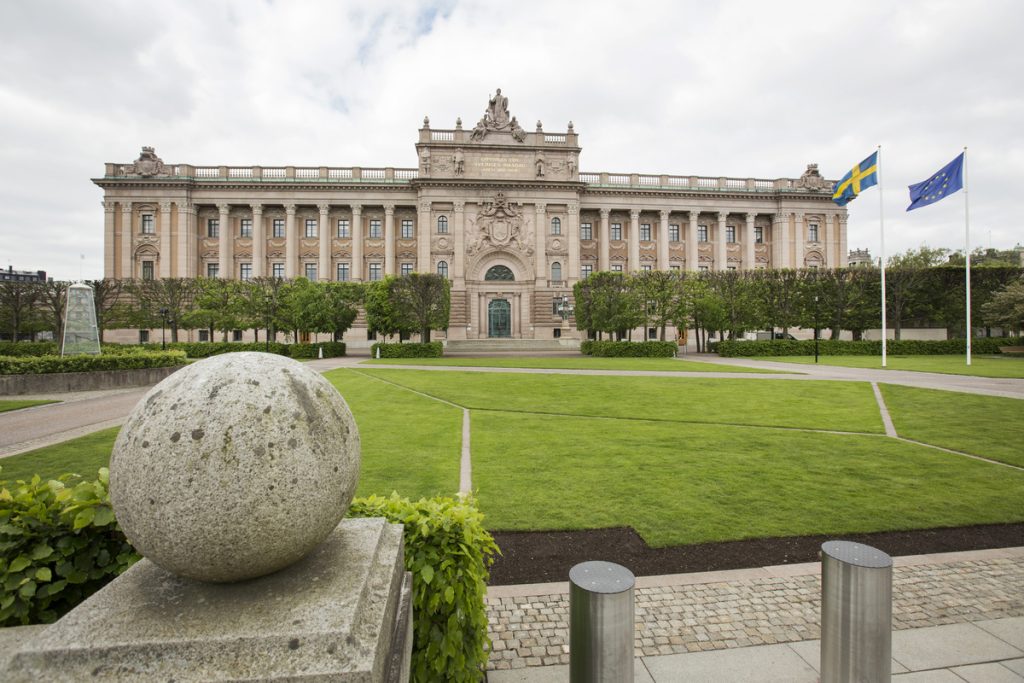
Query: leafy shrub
x,y
331,349
625,349
207,349
29,349
131,361
410,350
59,544
449,553
830,347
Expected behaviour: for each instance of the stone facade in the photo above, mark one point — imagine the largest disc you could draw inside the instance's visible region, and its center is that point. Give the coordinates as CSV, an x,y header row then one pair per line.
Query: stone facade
x,y
504,213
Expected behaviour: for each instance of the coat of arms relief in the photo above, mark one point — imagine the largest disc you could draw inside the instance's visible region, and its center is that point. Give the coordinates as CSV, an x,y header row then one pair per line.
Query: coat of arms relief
x,y
500,225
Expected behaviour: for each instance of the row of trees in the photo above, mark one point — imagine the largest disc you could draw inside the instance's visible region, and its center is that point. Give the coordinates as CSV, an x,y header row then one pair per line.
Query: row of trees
x,y
393,306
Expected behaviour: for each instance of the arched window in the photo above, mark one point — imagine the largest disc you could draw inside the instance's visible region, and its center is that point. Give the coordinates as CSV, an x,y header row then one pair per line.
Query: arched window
x,y
556,271
442,225
556,226
499,273
442,269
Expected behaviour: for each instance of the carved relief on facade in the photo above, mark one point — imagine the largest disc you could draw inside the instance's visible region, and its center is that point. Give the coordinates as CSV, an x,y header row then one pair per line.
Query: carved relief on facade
x,y
732,249
704,249
208,243
276,243
648,247
406,245
147,165
310,254
556,244
761,253
813,180
408,253
276,253
588,250
617,250
342,254
442,244
499,225
496,118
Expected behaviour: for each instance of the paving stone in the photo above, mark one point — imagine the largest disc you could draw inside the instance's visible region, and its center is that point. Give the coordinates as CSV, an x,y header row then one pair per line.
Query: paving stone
x,y
946,646
1010,630
771,662
991,672
936,676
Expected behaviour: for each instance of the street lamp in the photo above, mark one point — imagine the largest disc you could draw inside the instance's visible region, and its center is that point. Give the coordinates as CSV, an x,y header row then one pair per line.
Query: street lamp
x,y
564,307
816,334
163,328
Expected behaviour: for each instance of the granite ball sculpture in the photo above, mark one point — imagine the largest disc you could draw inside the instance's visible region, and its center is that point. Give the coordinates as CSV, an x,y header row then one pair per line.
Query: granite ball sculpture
x,y
234,467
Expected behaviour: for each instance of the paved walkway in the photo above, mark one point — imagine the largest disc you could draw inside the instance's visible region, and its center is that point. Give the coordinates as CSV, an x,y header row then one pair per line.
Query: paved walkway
x,y
956,617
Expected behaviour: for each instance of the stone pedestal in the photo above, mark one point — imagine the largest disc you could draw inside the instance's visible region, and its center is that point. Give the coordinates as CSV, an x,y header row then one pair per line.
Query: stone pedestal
x,y
342,613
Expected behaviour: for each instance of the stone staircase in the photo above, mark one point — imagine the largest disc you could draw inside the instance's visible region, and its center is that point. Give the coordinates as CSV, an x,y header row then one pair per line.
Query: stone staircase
x,y
524,346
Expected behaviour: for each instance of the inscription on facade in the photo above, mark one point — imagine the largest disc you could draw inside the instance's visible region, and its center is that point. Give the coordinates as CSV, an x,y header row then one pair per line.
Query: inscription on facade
x,y
500,165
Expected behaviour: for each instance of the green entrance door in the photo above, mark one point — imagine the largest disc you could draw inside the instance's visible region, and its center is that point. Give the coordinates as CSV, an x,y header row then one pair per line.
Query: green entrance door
x,y
499,318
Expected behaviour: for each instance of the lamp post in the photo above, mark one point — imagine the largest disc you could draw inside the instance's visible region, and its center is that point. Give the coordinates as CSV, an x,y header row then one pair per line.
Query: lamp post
x,y
816,334
163,329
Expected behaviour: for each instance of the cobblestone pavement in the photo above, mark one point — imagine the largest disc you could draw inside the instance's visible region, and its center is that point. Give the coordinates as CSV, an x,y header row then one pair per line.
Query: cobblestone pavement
x,y
719,610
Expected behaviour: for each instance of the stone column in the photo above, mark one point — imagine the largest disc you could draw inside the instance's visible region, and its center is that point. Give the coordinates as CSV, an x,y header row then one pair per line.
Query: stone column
x,y
357,242
634,241
187,265
748,243
780,240
663,241
458,264
844,255
721,261
323,268
225,257
830,242
165,240
109,208
259,242
799,236
389,239
424,230
515,317
541,261
291,242
126,240
573,236
604,248
691,241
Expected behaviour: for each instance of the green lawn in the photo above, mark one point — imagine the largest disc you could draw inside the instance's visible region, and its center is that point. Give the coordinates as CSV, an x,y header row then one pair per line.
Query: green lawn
x,y
678,484
84,455
6,405
572,363
988,426
981,366
842,406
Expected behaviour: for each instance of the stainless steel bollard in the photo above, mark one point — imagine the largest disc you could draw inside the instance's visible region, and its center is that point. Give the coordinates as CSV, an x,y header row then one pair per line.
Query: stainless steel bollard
x,y
601,623
856,613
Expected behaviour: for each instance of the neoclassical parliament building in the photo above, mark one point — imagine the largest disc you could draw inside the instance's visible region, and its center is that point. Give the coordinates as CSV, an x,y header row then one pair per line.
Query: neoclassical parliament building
x,y
504,213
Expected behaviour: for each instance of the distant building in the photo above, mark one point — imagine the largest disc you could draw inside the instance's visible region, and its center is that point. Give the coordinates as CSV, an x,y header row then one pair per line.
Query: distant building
x,y
860,258
11,275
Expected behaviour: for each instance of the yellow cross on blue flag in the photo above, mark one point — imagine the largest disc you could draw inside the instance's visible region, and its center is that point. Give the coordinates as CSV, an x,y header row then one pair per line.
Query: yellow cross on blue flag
x,y
945,182
861,177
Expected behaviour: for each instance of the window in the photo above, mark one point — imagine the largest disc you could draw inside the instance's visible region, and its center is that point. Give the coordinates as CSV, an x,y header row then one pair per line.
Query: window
x,y
343,272
442,269
556,271
645,232
310,227
278,227
586,231
236,335
616,231
374,272
652,332
213,227
375,228
278,270
204,335
147,224
812,232
556,226
730,234
730,268
343,228
147,270
674,269
245,271
585,270
616,267
245,229
442,225
702,269
702,233
406,269
212,269
503,273
758,235
646,267
407,233
311,271
673,233
143,336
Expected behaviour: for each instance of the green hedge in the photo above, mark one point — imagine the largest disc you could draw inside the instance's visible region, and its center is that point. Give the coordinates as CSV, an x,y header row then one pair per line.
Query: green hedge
x,y
829,347
47,364
29,349
408,350
59,544
331,349
623,349
449,554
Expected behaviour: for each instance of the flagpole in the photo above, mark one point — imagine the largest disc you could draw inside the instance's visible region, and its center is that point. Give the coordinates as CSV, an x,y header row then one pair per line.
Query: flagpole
x,y
881,226
967,244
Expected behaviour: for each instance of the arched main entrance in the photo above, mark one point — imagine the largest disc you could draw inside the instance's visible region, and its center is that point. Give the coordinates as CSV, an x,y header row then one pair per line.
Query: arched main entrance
x,y
499,318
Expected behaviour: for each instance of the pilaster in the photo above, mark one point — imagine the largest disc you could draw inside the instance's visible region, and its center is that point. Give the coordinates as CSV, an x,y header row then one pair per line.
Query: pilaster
x,y
663,240
748,243
721,262
540,231
126,241
323,268
799,237
187,264
691,241
604,247
573,236
357,242
830,242
424,230
225,257
389,239
458,269
165,239
259,242
634,241
291,242
109,254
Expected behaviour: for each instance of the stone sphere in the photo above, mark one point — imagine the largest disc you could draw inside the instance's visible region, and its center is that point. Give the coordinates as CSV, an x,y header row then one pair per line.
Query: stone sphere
x,y
234,467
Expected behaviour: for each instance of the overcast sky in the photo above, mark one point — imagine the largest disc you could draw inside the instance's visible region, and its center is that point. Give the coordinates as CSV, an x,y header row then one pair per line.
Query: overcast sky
x,y
732,88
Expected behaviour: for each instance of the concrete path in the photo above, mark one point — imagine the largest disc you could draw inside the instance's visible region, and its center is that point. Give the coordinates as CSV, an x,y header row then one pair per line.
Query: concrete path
x,y
956,617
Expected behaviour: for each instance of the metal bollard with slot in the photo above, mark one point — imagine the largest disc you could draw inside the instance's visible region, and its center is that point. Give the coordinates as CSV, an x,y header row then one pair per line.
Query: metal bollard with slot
x,y
856,613
601,623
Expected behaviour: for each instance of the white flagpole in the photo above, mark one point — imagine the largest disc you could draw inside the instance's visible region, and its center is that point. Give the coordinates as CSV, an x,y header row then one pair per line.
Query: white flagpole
x,y
967,244
881,226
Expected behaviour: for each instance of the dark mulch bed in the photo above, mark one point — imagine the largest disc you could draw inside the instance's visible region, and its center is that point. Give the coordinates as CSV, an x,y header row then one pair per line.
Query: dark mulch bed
x,y
540,557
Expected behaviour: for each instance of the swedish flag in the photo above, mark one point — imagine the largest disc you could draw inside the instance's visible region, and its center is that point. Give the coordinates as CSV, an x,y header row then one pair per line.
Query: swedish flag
x,y
861,177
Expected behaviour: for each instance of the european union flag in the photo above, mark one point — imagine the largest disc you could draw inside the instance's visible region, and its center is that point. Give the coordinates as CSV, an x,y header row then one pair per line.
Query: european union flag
x,y
945,182
861,177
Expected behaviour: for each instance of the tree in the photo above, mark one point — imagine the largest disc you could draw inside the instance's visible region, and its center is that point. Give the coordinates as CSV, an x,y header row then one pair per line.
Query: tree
x,y
18,301
216,306
614,304
780,295
173,294
381,313
53,299
905,276
343,301
660,291
111,308
1006,309
422,301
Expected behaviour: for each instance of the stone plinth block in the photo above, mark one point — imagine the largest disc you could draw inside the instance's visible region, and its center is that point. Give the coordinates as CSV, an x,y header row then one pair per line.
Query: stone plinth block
x,y
234,467
340,614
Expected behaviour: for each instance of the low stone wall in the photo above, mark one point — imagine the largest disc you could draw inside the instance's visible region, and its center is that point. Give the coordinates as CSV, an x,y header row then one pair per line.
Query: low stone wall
x,y
60,382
